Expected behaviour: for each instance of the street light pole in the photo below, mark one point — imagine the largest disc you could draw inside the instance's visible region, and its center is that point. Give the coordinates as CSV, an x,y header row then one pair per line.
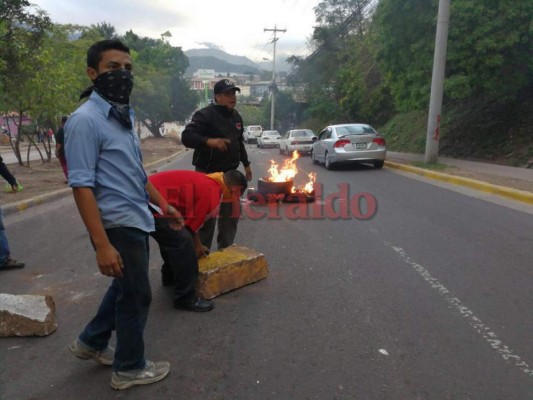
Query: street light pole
x,y
273,86
437,83
272,100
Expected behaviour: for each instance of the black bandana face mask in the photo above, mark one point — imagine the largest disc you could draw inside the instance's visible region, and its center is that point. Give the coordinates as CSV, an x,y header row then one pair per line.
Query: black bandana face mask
x,y
115,85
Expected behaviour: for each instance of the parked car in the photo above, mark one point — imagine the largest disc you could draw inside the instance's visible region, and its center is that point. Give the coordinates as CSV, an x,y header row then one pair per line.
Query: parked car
x,y
251,133
349,143
296,139
268,139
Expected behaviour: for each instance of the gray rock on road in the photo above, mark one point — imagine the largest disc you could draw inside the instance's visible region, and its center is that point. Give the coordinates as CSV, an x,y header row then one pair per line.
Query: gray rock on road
x,y
27,315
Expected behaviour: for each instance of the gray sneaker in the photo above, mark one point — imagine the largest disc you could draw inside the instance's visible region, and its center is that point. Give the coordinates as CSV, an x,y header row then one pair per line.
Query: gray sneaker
x,y
104,357
152,372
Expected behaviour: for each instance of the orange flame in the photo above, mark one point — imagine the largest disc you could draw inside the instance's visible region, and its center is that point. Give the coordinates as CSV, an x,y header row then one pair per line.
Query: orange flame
x,y
288,171
309,186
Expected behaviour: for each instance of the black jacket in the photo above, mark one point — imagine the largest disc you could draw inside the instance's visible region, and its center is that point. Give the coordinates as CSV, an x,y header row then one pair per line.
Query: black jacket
x,y
212,122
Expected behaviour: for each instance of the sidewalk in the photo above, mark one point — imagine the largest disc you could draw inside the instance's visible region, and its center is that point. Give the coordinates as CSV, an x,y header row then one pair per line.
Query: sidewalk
x,y
511,182
484,168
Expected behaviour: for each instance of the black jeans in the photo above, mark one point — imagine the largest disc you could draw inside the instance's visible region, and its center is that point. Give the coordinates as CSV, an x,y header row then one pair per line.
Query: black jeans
x,y
180,263
6,174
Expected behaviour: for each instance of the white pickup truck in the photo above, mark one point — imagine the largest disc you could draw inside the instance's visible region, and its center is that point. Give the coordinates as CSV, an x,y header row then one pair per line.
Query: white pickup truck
x,y
251,133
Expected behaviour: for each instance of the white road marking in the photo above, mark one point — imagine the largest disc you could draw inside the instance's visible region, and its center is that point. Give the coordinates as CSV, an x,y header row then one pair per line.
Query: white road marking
x,y
483,330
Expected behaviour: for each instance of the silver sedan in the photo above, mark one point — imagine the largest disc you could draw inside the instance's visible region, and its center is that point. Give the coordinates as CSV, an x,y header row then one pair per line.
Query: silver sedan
x,y
349,143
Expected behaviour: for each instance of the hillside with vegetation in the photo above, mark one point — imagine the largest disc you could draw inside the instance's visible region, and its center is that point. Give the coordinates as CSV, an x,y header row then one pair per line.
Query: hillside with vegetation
x,y
372,62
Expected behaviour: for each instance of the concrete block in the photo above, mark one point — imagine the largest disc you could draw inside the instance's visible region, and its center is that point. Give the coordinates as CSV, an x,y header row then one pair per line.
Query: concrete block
x,y
229,269
27,315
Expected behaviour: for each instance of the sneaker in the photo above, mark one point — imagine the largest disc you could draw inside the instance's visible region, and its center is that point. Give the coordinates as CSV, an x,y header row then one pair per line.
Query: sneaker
x,y
11,263
104,357
195,304
152,372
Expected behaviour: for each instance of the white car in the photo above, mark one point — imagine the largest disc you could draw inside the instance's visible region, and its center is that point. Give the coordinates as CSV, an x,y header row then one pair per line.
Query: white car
x,y
300,140
268,139
251,133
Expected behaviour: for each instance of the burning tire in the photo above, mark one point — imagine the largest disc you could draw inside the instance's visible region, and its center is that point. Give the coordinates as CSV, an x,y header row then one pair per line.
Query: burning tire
x,y
266,187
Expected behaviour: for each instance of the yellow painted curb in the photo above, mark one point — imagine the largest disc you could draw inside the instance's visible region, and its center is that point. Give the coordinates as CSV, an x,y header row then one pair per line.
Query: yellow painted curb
x,y
514,194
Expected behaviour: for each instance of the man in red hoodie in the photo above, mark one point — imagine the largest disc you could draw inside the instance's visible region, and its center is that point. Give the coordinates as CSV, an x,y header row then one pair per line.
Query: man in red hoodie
x,y
197,196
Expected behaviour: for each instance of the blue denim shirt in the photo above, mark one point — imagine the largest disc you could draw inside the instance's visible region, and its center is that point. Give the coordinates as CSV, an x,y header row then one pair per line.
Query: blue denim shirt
x,y
105,156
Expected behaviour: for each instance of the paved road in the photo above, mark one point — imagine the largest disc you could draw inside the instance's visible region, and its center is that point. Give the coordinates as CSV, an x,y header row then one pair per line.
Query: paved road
x,y
429,299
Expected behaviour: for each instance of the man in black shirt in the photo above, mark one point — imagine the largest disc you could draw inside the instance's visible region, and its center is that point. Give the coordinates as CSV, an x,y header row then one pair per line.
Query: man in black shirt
x,y
216,135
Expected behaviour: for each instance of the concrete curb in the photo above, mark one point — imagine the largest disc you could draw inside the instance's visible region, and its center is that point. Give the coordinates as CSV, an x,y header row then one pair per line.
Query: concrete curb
x,y
514,194
22,205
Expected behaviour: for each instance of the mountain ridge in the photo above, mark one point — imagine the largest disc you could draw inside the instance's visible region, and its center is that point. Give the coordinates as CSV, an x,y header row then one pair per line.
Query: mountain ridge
x,y
222,62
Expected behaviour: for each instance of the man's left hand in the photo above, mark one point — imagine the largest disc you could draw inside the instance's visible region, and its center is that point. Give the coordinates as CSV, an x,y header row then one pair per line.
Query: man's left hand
x,y
175,221
201,251
248,172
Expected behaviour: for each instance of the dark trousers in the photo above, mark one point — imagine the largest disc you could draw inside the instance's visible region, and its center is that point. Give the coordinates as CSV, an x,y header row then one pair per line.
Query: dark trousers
x,y
124,308
227,227
180,263
6,174
227,220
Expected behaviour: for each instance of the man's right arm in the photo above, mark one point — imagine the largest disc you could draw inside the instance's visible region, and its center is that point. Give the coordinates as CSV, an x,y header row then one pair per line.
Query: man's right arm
x,y
82,149
107,257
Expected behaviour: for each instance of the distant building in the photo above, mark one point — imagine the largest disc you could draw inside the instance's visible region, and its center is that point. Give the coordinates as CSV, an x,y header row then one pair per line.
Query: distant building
x,y
8,123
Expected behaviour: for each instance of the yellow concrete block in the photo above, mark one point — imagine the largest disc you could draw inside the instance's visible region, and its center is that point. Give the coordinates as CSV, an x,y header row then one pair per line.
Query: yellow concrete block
x,y
229,269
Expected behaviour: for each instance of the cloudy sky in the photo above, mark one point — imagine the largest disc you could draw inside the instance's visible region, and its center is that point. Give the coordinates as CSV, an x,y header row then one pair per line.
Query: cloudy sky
x,y
236,26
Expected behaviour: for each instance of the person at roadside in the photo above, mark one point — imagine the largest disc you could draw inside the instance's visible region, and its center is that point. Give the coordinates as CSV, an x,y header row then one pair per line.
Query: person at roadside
x,y
6,262
216,135
197,197
60,149
112,193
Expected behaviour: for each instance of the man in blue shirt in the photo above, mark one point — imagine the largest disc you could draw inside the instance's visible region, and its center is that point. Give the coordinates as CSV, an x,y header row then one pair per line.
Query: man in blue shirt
x,y
112,193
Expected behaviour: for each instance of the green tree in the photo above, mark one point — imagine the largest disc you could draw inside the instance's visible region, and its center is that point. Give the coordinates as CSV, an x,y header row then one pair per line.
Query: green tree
x,y
162,93
22,32
341,74
251,115
285,112
105,30
488,41
405,43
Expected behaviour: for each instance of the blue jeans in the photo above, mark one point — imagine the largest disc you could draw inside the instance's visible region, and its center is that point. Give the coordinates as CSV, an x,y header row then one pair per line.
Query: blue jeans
x,y
4,245
125,305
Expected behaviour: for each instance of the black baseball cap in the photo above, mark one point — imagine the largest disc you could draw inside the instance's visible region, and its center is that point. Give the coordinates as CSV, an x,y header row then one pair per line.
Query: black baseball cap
x,y
225,85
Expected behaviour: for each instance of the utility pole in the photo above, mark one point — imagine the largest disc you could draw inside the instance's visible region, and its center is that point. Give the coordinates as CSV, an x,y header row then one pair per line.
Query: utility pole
x,y
437,83
275,30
